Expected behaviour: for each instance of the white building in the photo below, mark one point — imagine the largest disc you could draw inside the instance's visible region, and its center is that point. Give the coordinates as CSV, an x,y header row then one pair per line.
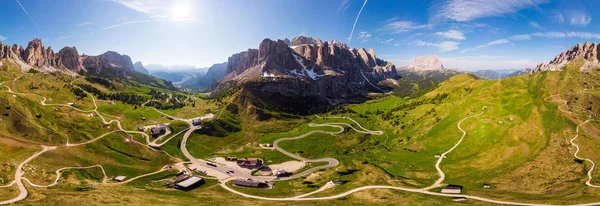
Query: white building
x,y
452,189
119,178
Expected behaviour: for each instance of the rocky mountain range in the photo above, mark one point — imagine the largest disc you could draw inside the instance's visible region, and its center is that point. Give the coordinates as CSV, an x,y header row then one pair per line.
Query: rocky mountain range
x,y
110,64
67,59
307,72
588,52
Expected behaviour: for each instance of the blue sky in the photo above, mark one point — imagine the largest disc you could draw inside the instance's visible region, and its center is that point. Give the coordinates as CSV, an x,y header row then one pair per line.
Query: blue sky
x,y
466,35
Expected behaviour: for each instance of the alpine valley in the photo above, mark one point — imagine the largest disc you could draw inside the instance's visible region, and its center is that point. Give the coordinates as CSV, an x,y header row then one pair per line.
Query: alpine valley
x,y
297,120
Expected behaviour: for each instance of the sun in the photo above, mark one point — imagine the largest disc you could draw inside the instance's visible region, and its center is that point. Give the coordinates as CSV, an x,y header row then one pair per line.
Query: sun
x,y
180,11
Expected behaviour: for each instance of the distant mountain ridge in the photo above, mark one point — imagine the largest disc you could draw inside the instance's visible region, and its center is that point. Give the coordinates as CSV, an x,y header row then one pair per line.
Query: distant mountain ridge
x,y
204,82
109,64
67,59
425,63
588,52
139,67
175,73
306,73
499,74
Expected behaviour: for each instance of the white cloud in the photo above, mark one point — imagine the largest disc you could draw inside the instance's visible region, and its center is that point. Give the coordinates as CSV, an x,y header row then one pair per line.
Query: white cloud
x,y
396,26
443,46
125,23
84,23
387,41
463,11
551,35
575,17
448,45
2,38
497,42
580,20
536,25
364,36
150,7
583,35
520,37
343,6
452,34
492,43
560,18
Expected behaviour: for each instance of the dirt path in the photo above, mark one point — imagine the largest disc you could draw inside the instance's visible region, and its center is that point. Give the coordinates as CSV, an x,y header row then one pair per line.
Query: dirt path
x,y
19,176
438,183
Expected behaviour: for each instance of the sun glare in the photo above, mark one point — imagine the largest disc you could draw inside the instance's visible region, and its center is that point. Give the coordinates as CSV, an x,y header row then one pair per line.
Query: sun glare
x,y
179,11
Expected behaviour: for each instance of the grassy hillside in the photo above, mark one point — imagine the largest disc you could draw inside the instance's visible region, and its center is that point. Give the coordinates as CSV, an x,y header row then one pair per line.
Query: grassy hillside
x,y
519,144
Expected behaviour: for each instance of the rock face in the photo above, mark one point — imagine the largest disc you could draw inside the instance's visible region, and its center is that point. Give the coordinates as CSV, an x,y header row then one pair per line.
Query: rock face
x,y
67,59
109,59
139,67
426,63
588,52
215,73
36,55
326,73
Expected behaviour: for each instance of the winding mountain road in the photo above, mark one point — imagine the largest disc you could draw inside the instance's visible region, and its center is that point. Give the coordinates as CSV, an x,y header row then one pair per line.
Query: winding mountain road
x,y
592,117
19,176
438,183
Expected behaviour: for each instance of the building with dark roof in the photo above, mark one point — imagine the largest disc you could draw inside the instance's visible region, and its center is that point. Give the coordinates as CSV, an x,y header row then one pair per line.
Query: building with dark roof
x,y
158,130
189,183
250,163
196,121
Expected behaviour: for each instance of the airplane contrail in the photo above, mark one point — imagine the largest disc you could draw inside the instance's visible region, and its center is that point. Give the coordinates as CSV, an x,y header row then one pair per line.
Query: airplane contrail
x,y
25,10
356,20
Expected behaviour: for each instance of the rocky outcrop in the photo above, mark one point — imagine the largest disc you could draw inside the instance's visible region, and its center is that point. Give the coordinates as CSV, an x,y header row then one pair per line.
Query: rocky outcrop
x,y
68,58
327,73
426,63
239,62
139,67
35,54
588,52
109,59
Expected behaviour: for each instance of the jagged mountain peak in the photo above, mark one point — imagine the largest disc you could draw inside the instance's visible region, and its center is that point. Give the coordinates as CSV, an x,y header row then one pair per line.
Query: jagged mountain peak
x,y
67,60
329,73
309,60
589,52
426,63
